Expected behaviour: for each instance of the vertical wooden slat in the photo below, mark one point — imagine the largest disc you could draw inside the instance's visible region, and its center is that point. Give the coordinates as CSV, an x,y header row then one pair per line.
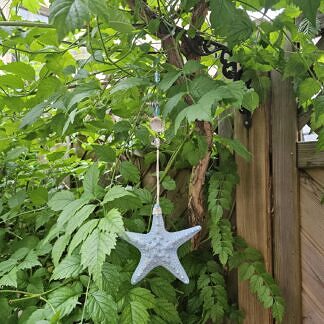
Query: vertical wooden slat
x,y
253,204
286,221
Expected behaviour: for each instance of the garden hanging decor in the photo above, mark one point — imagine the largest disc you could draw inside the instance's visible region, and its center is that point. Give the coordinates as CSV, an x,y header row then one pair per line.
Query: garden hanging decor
x,y
159,247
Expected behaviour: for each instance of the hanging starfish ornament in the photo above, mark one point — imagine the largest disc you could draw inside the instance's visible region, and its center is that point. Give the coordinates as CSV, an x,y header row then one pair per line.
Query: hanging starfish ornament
x,y
159,247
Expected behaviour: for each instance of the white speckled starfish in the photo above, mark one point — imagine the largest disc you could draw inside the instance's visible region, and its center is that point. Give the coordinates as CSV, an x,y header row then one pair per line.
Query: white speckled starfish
x,y
159,248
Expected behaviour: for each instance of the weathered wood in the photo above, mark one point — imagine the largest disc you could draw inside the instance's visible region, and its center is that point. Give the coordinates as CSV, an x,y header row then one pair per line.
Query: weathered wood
x,y
312,245
286,231
308,156
253,216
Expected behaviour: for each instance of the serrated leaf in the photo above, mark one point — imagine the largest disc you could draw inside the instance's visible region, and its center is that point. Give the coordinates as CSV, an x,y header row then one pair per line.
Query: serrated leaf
x,y
168,183
129,83
69,267
163,288
117,20
246,270
111,278
10,279
278,310
112,222
105,153
90,181
167,311
134,313
30,261
168,80
142,296
70,210
101,307
21,69
172,102
65,299
191,66
307,89
115,193
94,251
59,248
82,234
60,200
250,100
309,9
129,172
79,217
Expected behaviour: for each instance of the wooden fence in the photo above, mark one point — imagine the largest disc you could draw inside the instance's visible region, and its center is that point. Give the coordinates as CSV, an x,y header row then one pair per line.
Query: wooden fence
x,y
279,208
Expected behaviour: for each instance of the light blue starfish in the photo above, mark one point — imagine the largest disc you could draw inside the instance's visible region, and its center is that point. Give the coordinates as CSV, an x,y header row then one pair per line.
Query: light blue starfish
x,y
159,248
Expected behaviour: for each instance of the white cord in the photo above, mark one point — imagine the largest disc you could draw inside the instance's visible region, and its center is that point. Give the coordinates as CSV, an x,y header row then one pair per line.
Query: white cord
x,y
157,143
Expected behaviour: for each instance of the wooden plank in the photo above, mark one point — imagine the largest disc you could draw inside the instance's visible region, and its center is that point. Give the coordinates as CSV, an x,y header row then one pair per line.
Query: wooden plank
x,y
286,222
308,156
312,245
317,174
253,216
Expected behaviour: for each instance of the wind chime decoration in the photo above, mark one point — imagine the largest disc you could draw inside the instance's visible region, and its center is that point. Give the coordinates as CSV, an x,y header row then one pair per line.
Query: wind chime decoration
x,y
159,247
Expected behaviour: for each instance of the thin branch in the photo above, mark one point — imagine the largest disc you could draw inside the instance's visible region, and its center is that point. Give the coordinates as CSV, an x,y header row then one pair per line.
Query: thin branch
x,y
25,24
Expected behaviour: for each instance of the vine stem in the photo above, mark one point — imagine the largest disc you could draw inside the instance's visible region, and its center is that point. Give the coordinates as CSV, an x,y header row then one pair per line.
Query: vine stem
x,y
85,300
25,24
31,295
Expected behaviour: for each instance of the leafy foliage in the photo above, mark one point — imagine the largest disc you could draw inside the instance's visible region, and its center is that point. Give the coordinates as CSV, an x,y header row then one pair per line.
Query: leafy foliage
x,y
76,164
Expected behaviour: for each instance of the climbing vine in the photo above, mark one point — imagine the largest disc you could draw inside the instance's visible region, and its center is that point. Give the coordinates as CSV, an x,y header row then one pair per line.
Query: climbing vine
x,y
76,160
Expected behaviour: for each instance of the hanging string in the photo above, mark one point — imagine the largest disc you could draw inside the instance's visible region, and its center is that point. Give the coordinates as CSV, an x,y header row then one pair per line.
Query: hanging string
x,y
157,126
157,144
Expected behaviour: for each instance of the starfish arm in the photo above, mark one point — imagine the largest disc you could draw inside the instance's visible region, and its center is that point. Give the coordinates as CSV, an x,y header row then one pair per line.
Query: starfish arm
x,y
136,239
180,237
175,267
145,265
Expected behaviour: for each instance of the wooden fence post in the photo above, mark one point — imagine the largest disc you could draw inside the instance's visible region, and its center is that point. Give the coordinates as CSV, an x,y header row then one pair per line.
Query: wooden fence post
x,y
286,220
253,201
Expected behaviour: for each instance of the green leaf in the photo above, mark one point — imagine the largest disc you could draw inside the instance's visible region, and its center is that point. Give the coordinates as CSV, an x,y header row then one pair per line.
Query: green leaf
x,y
82,234
163,288
101,307
235,24
129,172
172,102
60,200
142,296
59,248
129,83
21,69
167,311
117,20
79,217
168,183
134,313
90,181
69,210
65,299
112,222
81,92
246,270
191,67
115,193
68,15
39,196
94,251
105,153
17,199
308,88
10,279
309,9
30,261
11,81
168,80
250,100
69,267
278,310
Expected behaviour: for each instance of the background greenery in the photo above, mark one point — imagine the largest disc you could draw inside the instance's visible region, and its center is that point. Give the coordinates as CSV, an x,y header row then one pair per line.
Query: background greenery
x,y
77,164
